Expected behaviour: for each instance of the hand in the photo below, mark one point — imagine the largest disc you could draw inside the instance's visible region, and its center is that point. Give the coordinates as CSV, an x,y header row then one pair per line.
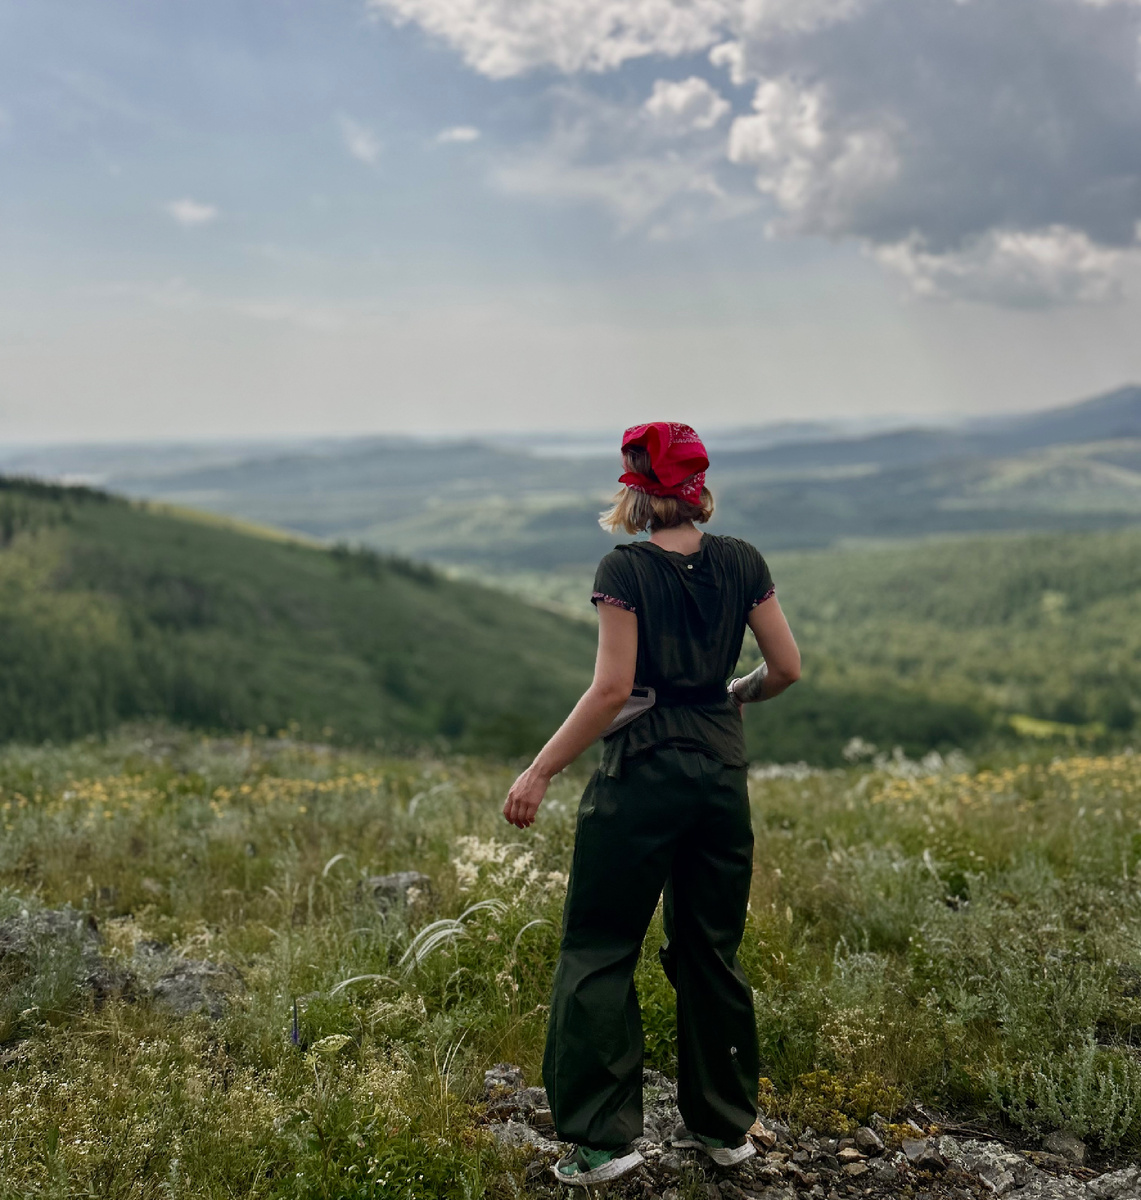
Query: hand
x,y
525,796
733,696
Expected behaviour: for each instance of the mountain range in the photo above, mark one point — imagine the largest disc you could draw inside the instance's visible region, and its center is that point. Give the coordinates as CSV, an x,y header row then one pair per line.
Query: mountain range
x,y
516,502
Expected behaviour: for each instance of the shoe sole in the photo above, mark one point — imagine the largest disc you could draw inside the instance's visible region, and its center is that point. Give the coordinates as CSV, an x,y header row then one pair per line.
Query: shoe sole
x,y
723,1156
608,1171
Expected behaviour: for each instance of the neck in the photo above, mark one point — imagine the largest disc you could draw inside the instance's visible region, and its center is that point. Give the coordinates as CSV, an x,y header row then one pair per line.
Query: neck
x,y
681,539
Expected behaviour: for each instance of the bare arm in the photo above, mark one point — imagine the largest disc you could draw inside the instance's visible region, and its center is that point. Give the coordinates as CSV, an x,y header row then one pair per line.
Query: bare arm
x,y
613,678
781,667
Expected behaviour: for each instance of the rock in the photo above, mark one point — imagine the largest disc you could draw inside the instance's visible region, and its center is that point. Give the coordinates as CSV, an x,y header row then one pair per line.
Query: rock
x,y
764,1137
868,1140
501,1079
392,891
515,1135
52,932
856,1169
1066,1145
192,985
887,1167
1117,1185
849,1154
823,1161
24,933
671,1162
922,1155
1000,1169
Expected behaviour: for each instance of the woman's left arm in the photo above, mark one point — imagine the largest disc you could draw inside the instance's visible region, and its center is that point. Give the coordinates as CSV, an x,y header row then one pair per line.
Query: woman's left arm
x,y
600,704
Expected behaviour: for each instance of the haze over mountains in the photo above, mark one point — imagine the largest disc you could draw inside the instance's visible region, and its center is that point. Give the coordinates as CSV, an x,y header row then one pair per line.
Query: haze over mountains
x,y
523,505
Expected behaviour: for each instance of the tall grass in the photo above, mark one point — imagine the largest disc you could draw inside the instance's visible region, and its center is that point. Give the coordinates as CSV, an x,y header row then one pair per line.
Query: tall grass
x,y
966,939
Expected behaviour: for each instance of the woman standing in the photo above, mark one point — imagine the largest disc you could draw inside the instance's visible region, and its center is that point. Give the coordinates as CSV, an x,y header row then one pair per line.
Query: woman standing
x,y
667,809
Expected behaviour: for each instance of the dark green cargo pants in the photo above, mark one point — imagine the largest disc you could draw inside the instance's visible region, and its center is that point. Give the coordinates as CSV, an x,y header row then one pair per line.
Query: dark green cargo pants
x,y
676,819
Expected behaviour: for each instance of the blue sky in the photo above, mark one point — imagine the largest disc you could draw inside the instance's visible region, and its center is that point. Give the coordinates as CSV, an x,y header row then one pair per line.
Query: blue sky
x,y
273,216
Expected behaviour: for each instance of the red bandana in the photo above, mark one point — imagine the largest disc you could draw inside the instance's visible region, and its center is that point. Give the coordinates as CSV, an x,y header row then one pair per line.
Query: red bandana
x,y
677,458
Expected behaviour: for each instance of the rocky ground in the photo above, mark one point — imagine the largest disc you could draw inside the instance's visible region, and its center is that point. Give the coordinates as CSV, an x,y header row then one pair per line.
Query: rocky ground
x,y
930,1165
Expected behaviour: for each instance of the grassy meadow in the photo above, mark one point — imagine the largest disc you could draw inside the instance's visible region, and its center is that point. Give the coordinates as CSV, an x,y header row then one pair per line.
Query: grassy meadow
x,y
968,936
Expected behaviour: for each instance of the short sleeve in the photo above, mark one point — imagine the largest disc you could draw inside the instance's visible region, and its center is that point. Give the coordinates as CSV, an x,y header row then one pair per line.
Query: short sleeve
x,y
760,580
614,583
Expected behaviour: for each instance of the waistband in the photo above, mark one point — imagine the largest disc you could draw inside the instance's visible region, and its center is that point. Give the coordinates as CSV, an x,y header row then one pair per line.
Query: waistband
x,y
715,693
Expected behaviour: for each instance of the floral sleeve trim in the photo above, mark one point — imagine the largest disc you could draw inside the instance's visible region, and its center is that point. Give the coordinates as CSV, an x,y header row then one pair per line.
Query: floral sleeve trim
x,y
603,598
761,599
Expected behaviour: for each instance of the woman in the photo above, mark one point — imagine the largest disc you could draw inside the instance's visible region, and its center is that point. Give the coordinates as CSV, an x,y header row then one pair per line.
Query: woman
x,y
668,808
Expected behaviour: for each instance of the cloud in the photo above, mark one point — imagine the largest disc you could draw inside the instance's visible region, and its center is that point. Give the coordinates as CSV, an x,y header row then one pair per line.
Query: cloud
x,y
504,38
190,213
1019,269
612,155
983,148
458,133
680,108
359,140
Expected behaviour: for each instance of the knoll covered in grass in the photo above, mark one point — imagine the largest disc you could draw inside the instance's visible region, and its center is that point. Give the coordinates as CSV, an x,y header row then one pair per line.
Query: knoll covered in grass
x,y
969,939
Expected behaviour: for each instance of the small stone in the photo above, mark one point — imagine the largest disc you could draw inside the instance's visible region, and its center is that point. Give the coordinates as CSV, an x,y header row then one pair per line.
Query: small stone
x,y
1117,1185
762,1135
671,1163
845,1143
849,1154
1066,1145
501,1078
855,1169
922,1155
826,1162
196,985
868,1140
392,891
801,1156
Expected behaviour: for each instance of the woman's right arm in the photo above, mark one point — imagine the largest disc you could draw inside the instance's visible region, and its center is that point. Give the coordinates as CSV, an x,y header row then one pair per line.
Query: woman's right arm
x,y
778,647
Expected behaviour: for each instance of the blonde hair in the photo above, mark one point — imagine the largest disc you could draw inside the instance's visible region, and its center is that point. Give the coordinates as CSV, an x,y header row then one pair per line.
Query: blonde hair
x,y
634,511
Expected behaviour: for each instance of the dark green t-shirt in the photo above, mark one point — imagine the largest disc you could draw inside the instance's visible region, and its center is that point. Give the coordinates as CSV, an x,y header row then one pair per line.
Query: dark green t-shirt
x,y
692,611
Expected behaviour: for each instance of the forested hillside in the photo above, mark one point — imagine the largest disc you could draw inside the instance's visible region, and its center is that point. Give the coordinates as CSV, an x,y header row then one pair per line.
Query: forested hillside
x,y
111,611
944,642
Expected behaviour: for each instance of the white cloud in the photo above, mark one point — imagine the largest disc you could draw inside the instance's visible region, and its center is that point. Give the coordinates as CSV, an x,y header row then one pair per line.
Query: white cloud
x,y
609,154
1020,269
458,133
360,141
931,134
691,104
190,213
818,169
504,38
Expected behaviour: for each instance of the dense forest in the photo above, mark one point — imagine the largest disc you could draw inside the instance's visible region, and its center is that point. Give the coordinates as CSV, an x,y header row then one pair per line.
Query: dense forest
x,y
111,610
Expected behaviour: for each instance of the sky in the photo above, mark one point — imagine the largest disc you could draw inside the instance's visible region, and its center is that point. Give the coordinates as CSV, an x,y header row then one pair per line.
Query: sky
x,y
249,218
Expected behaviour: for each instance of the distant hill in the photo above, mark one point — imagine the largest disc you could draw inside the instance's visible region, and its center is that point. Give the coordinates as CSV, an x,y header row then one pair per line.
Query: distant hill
x,y
475,503
110,610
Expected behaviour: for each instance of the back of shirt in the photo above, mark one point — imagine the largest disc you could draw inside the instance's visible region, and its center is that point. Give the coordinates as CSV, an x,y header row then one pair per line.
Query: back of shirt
x,y
692,612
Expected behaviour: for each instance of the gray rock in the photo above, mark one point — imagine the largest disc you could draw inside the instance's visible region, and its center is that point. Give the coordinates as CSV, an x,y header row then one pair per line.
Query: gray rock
x,y
26,932
391,891
1041,1186
501,1079
1117,1185
32,936
887,1167
516,1135
1000,1169
923,1155
1067,1145
191,985
671,1163
868,1140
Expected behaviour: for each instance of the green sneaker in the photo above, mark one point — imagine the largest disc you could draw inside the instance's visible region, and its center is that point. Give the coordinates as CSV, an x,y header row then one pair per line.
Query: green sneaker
x,y
582,1167
724,1154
